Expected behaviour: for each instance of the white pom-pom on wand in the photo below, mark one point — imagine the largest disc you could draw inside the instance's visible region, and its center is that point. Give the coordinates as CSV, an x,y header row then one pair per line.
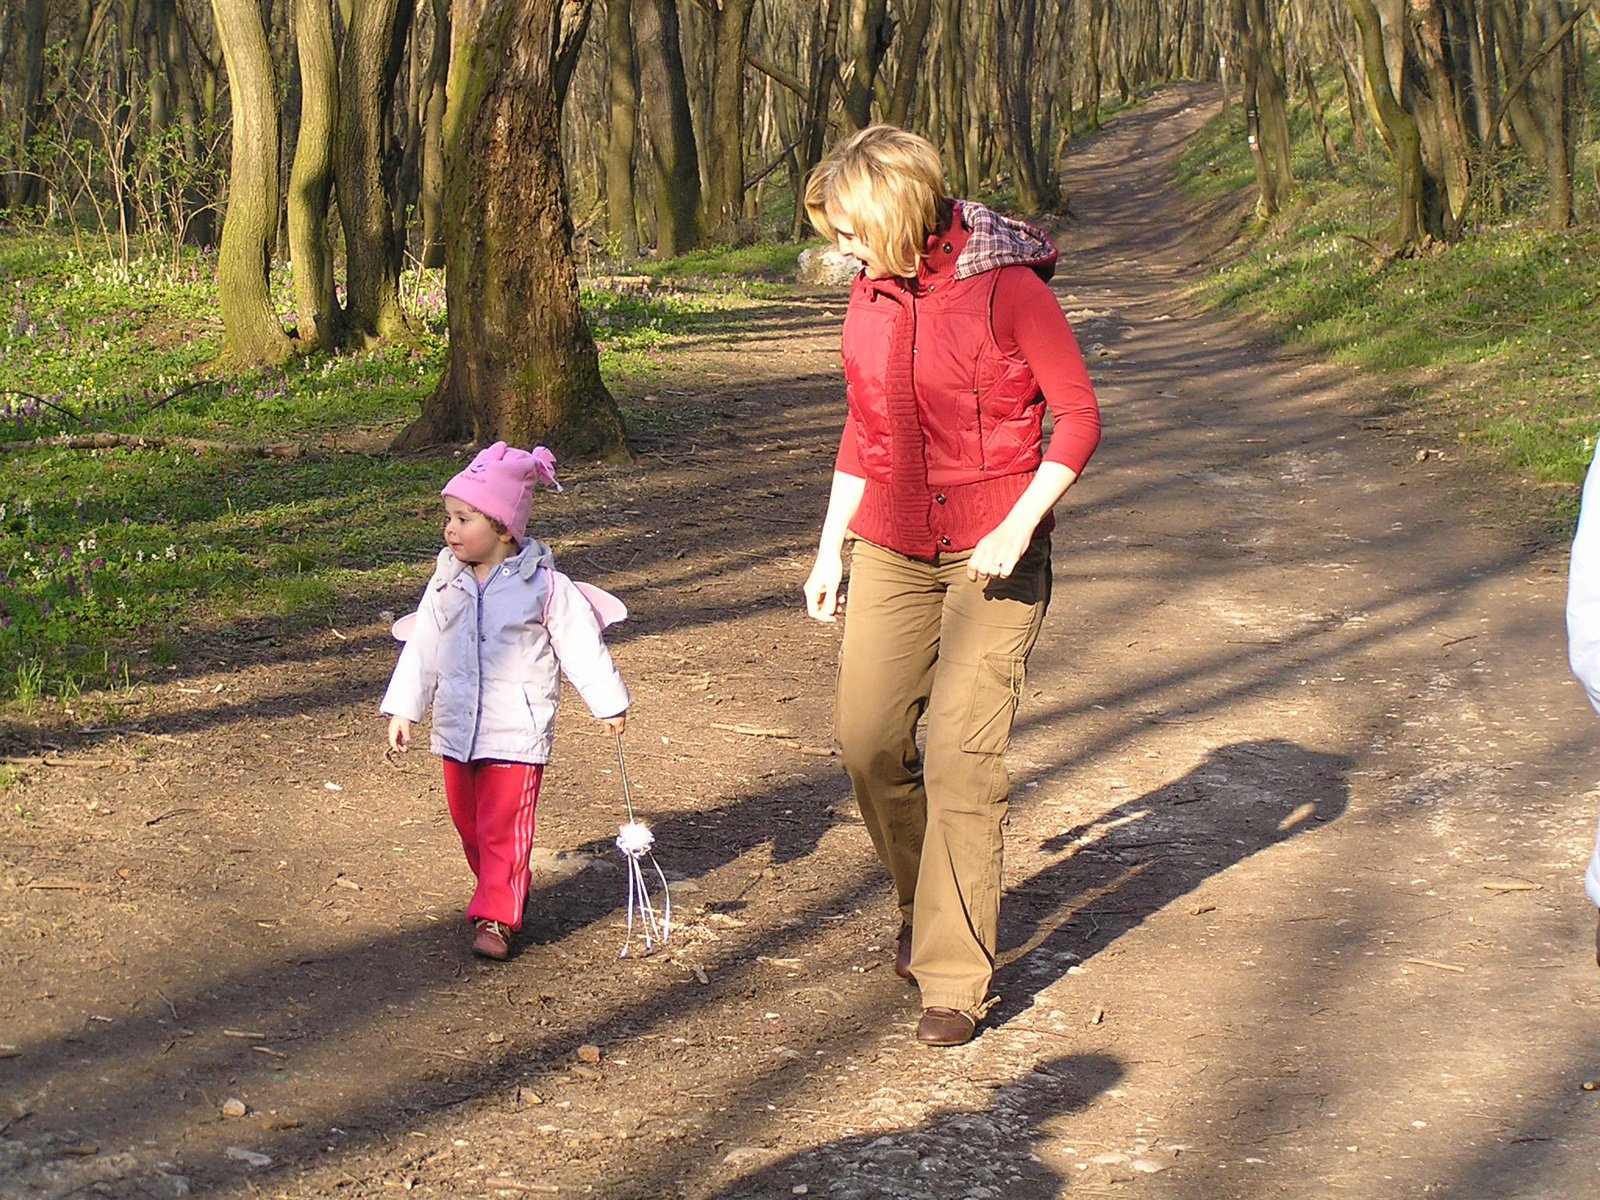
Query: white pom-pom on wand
x,y
634,841
635,838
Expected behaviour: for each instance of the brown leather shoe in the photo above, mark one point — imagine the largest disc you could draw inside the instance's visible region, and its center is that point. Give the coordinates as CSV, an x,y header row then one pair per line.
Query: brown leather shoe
x,y
902,953
945,1027
493,940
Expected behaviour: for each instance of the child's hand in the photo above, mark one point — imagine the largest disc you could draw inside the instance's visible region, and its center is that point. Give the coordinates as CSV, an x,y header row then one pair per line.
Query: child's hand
x,y
399,734
615,724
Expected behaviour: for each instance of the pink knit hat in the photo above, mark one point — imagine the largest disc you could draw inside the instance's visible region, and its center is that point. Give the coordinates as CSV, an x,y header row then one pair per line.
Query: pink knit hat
x,y
499,483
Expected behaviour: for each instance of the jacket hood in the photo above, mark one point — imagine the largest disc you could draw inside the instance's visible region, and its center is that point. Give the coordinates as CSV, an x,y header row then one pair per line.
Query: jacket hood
x,y
999,241
533,555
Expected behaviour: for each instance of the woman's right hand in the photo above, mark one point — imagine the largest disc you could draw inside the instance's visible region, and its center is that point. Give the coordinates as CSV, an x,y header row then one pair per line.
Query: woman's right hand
x,y
823,600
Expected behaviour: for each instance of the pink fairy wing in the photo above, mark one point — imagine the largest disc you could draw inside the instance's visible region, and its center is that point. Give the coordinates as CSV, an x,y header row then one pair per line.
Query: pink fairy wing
x,y
608,610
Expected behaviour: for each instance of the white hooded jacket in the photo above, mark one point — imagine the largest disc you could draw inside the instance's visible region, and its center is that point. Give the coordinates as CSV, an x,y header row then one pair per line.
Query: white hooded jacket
x,y
490,659
1583,622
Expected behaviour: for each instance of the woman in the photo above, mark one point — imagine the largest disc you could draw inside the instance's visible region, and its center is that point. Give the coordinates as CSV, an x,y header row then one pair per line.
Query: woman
x,y
953,347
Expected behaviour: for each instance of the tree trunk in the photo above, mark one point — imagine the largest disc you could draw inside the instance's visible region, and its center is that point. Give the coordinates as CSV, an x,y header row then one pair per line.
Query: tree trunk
x,y
814,131
622,93
1439,108
311,177
1549,91
430,197
1525,129
1266,105
871,35
906,74
1272,95
22,188
251,332
120,140
1353,97
367,165
1330,152
1481,59
1095,47
522,364
723,216
952,82
1397,127
198,198
672,146
1016,41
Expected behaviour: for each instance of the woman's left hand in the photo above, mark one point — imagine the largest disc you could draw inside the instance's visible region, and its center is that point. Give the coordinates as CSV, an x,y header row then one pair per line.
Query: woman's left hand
x,y
996,555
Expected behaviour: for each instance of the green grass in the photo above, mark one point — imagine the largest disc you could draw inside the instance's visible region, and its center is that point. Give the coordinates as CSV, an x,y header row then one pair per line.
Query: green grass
x,y
763,260
108,556
1495,338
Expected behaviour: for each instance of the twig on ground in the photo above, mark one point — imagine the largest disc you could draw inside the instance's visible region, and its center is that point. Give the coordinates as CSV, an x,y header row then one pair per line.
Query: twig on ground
x,y
511,1185
171,396
1428,962
753,730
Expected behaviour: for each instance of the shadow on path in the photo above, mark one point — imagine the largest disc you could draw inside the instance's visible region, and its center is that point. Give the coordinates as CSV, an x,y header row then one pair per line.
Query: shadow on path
x,y
1139,857
983,1154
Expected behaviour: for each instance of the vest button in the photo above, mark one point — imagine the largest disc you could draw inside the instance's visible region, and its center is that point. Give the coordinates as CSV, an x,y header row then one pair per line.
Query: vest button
x,y
939,499
944,541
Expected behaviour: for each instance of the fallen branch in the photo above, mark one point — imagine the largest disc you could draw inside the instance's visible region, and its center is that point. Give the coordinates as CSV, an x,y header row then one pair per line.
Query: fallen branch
x,y
144,441
45,761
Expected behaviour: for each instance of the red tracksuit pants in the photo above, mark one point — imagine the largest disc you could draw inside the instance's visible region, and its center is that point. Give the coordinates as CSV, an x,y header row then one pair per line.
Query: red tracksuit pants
x,y
492,806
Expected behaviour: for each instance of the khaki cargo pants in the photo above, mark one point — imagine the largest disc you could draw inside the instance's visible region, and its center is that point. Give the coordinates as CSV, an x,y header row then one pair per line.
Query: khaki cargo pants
x,y
921,639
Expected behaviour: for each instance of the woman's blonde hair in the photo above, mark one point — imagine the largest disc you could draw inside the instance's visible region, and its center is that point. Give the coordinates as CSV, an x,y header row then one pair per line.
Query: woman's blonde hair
x,y
889,184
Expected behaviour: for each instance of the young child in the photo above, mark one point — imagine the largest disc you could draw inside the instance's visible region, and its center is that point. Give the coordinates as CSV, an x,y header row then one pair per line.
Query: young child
x,y
497,627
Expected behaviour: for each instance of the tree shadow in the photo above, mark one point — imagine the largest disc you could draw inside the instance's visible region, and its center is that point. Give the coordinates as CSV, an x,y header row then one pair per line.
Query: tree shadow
x,y
965,1152
1132,861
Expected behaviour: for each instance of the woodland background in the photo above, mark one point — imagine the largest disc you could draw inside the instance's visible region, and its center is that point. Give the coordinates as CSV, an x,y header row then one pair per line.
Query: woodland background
x,y
252,251
351,140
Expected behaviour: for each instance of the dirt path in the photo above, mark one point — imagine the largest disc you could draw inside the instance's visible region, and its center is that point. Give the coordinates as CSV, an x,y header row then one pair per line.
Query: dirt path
x,y
1300,803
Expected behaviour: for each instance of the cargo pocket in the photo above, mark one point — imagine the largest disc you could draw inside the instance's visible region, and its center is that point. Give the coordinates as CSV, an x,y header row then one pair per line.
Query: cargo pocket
x,y
996,688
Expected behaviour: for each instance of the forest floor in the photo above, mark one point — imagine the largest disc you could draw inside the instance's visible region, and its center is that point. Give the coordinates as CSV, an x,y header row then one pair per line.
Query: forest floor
x,y
1302,792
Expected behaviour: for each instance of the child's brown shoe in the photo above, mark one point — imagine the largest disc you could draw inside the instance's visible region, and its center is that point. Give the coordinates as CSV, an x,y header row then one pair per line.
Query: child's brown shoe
x,y
492,940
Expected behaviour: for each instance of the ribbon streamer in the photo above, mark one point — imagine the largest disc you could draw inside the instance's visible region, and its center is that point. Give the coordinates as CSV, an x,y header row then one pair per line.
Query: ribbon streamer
x,y
634,842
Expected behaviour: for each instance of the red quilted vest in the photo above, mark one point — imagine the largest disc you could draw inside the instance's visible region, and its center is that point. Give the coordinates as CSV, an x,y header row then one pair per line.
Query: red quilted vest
x,y
948,428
